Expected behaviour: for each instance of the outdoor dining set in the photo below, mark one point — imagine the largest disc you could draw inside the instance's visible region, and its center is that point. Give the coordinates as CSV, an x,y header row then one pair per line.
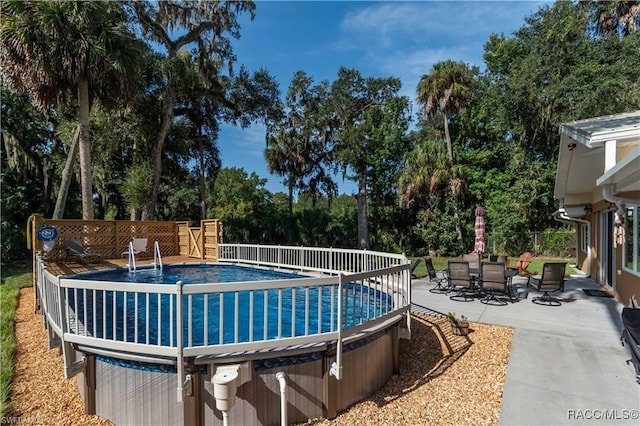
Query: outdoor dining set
x,y
492,281
470,278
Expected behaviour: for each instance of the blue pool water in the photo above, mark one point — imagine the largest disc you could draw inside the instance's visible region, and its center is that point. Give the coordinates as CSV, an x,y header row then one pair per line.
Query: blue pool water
x,y
104,313
190,274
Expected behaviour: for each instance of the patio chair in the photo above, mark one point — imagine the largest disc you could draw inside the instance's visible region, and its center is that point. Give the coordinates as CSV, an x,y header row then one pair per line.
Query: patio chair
x,y
441,281
139,246
522,265
631,336
459,277
76,252
473,259
552,279
494,282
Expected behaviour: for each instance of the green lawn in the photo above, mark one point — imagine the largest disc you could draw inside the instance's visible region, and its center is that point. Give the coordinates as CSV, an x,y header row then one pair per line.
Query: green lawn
x,y
13,279
535,267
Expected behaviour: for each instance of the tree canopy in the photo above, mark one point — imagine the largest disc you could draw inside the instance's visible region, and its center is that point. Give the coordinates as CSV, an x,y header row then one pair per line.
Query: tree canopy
x,y
477,137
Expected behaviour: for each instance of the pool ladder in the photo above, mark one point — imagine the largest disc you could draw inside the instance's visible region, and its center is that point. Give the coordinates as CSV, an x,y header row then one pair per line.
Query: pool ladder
x,y
131,264
157,258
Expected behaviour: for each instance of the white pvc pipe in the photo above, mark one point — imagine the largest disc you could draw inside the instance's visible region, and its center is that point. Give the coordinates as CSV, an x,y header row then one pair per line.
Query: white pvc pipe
x,y
282,379
132,258
157,258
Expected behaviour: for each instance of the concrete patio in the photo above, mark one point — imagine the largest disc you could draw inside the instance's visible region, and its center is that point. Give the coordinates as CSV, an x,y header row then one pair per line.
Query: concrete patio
x,y
567,365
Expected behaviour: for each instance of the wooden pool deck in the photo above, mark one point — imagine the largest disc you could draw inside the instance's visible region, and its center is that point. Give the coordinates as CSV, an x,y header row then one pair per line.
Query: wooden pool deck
x,y
73,267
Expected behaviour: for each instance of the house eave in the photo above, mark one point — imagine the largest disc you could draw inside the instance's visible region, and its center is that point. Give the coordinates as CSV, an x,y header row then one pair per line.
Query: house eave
x,y
625,175
595,132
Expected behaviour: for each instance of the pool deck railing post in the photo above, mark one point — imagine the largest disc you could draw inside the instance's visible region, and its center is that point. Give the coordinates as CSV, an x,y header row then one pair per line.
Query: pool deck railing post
x,y
179,331
279,258
72,365
336,367
330,253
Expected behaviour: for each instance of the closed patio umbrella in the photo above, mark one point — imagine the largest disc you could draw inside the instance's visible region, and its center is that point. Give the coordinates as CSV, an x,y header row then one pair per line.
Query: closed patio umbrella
x,y
479,246
618,230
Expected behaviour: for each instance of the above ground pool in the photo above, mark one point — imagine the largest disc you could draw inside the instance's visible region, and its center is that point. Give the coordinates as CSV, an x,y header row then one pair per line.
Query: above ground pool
x,y
260,314
230,343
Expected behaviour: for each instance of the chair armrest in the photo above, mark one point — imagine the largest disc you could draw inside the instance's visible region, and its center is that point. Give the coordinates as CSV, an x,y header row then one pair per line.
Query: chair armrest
x,y
534,281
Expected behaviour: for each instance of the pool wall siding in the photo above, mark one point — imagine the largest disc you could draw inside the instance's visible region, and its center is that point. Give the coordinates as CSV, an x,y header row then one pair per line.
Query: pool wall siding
x,y
128,396
258,401
311,391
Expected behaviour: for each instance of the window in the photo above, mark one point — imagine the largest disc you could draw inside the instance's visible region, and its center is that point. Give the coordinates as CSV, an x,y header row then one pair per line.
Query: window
x,y
584,239
631,249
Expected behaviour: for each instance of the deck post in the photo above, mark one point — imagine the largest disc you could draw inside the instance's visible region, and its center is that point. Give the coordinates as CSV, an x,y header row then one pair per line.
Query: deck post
x,y
193,404
90,384
329,388
395,348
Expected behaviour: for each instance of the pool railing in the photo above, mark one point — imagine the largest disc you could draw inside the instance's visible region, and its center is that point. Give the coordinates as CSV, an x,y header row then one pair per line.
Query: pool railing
x,y
75,319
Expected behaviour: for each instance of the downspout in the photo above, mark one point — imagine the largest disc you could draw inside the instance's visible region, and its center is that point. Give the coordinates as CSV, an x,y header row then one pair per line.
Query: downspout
x,y
560,215
282,379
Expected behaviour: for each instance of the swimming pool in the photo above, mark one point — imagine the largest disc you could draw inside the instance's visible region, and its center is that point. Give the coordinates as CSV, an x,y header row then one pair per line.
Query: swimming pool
x,y
319,312
265,314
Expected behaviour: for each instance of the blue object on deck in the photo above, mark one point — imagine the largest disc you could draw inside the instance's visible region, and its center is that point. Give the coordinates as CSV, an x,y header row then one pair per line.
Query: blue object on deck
x,y
47,233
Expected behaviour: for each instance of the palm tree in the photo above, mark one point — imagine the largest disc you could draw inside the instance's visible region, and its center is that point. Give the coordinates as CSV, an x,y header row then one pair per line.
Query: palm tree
x,y
611,18
426,170
53,47
445,91
283,160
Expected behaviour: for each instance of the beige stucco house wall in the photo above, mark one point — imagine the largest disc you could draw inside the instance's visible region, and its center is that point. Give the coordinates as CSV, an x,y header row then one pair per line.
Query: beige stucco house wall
x,y
597,182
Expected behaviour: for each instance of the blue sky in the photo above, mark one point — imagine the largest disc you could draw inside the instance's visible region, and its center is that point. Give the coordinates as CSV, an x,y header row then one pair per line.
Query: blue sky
x,y
379,38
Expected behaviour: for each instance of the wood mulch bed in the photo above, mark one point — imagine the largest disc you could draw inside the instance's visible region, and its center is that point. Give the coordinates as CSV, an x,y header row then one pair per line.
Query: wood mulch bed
x,y
41,395
445,379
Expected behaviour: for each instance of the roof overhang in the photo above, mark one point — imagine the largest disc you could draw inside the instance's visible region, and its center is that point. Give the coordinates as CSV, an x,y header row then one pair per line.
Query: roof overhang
x,y
625,175
581,159
595,132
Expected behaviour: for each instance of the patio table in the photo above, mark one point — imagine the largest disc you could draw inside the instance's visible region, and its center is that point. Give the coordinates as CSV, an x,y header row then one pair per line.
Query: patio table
x,y
476,275
509,274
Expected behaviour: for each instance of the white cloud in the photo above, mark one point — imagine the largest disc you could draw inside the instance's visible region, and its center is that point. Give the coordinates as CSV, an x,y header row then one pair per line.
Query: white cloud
x,y
409,66
386,22
406,39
